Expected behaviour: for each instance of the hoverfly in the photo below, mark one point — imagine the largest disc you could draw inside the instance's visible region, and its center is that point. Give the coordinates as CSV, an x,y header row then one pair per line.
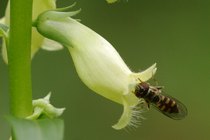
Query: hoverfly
x,y
167,105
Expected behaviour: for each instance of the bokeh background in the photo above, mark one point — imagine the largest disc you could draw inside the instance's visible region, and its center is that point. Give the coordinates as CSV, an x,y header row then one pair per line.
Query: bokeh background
x,y
173,33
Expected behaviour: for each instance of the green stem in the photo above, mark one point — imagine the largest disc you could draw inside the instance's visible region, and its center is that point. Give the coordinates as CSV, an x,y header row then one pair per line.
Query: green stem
x,y
19,58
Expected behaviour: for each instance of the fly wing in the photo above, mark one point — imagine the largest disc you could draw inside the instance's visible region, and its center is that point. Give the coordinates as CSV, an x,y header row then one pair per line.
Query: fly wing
x,y
173,109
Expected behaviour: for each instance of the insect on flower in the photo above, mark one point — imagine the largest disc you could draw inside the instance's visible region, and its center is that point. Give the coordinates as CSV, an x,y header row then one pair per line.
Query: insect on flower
x,y
166,104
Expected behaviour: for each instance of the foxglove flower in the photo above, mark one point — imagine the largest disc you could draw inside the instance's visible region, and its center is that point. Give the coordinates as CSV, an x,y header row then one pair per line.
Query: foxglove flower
x,y
97,63
37,41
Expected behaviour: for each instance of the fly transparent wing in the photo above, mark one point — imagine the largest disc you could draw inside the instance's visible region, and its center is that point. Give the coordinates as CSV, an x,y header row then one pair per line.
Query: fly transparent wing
x,y
177,111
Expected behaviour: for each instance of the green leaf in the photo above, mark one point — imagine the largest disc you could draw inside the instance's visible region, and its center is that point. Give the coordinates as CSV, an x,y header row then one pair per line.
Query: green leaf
x,y
43,129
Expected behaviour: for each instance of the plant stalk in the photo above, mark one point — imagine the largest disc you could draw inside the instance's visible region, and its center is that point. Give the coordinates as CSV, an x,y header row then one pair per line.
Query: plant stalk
x,y
19,58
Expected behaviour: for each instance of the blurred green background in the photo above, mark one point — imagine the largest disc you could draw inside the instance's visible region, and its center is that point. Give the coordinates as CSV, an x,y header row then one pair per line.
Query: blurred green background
x,y
173,33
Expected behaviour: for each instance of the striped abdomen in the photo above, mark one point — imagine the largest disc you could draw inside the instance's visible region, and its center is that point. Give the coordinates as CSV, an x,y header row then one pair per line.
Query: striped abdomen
x,y
167,104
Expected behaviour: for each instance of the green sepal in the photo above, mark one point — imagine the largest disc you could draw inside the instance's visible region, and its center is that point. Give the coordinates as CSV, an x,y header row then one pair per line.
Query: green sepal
x,y
57,13
66,8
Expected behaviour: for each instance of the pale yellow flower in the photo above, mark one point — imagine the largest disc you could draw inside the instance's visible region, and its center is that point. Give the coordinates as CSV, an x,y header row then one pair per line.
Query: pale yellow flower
x,y
38,41
97,63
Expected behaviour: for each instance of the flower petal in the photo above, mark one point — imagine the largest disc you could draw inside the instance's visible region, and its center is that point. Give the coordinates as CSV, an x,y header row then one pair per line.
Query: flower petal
x,y
131,114
51,45
126,116
146,74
